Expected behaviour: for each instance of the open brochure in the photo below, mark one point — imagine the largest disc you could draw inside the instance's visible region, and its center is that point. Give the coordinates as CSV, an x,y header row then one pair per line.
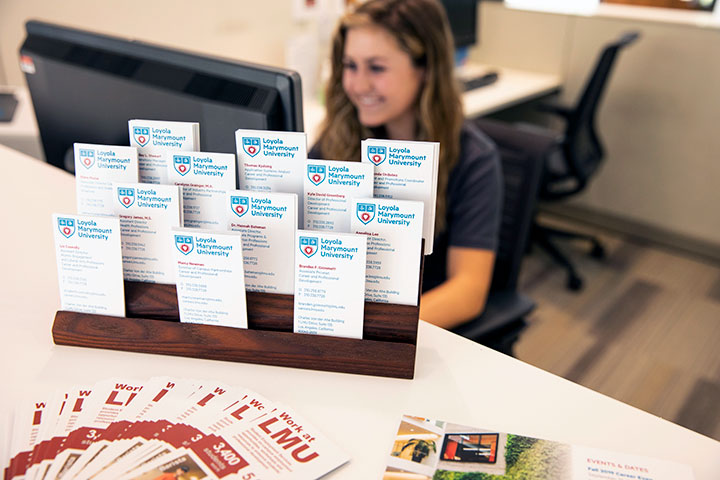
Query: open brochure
x,y
426,449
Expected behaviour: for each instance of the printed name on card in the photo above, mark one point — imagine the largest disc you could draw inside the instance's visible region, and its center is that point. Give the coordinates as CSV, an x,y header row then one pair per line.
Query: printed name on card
x,y
96,168
89,261
267,222
153,138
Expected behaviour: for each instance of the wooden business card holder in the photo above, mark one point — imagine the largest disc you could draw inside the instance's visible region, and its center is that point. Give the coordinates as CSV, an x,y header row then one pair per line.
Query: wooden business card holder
x,y
152,325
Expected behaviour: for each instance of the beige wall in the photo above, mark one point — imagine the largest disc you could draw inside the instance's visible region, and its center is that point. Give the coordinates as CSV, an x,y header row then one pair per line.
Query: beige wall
x,y
659,120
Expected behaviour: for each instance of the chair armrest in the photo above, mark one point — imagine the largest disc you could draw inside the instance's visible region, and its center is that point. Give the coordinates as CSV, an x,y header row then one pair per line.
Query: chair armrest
x,y
554,109
502,309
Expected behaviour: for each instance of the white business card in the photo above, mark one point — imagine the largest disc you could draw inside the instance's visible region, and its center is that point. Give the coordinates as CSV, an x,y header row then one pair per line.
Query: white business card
x,y
153,138
205,179
147,214
89,261
406,170
210,279
271,161
329,283
394,238
267,222
96,168
329,188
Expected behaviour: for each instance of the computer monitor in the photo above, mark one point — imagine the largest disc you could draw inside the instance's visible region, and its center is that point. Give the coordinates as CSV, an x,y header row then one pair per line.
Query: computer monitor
x,y
86,86
462,15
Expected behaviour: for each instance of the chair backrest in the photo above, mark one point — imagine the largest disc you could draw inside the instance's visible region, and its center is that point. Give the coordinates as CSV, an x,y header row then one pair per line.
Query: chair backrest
x,y
522,154
583,148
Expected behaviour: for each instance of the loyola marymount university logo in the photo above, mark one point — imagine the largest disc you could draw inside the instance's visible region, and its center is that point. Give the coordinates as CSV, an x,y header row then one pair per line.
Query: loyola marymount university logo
x,y
66,226
87,157
316,173
126,196
184,244
141,135
239,205
377,154
182,164
365,212
308,246
251,145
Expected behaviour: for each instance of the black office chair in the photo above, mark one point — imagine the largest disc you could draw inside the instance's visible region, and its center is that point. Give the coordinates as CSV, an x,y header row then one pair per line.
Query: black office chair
x,y
522,154
569,167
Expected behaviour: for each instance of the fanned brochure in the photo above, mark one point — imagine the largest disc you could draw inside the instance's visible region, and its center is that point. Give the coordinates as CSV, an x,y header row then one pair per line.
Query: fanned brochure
x,y
164,427
267,222
147,213
406,170
154,138
424,448
204,178
97,167
271,161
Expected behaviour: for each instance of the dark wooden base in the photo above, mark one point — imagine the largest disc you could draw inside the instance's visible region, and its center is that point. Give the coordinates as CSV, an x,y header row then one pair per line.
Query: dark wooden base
x,y
152,326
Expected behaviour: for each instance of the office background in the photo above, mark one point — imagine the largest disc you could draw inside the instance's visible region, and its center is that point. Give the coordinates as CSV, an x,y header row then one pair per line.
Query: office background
x,y
659,122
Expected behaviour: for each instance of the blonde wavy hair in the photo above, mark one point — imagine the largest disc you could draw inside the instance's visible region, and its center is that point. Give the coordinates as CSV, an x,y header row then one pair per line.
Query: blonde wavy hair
x,y
421,29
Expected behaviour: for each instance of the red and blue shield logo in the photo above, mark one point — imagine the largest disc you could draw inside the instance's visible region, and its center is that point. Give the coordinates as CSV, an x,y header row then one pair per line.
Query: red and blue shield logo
x,y
251,145
239,205
365,212
182,164
184,244
126,196
87,157
308,246
141,135
66,226
316,173
376,154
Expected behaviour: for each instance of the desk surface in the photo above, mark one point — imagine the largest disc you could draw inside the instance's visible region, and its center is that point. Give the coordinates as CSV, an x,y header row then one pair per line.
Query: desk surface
x,y
455,379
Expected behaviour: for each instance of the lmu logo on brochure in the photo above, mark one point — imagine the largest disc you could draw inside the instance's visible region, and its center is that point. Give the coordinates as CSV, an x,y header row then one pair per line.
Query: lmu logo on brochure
x,y
365,212
239,205
66,226
251,145
308,246
141,135
182,164
184,244
316,173
126,196
377,154
87,157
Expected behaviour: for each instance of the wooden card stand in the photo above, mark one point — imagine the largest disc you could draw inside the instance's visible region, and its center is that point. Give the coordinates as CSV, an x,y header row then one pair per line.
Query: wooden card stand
x,y
152,326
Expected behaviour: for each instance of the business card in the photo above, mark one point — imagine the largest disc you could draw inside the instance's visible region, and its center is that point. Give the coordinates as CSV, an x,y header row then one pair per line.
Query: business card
x,y
267,222
210,278
153,138
329,283
406,170
329,188
205,179
394,239
89,262
147,213
271,161
96,168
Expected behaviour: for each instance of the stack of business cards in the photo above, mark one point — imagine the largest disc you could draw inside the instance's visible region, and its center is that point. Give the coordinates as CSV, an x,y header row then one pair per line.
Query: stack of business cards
x,y
329,188
153,138
147,213
271,161
406,170
96,168
267,222
209,277
204,178
329,283
394,235
165,427
89,264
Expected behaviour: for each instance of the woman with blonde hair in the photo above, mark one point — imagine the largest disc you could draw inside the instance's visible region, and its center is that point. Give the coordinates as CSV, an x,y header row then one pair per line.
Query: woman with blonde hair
x,y
392,77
